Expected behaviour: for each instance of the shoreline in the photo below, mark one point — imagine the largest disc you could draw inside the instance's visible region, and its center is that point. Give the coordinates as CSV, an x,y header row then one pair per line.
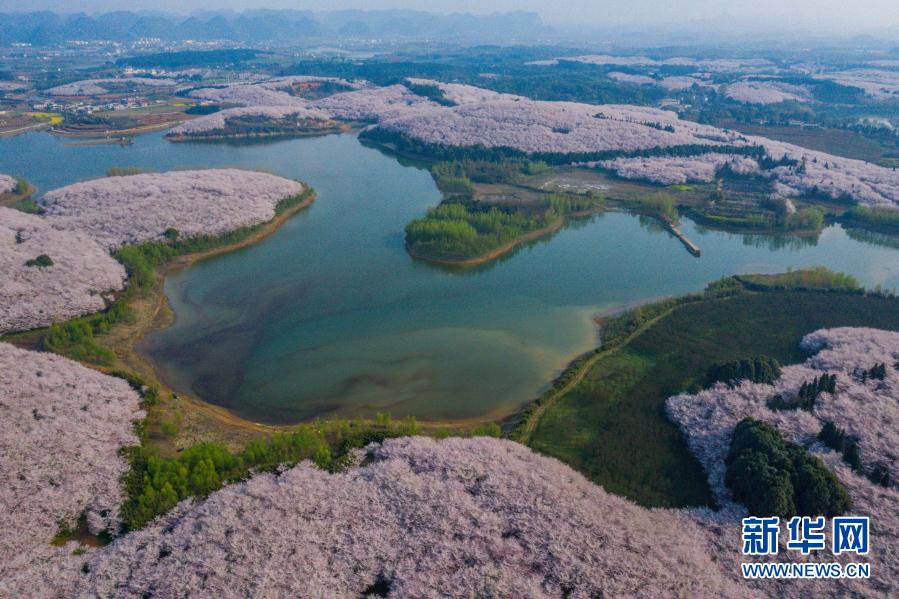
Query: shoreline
x,y
154,313
209,420
533,411
203,420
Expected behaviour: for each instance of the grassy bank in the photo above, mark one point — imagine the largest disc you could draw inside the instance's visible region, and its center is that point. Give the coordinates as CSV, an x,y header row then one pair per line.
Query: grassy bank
x,y
155,484
806,220
606,417
877,219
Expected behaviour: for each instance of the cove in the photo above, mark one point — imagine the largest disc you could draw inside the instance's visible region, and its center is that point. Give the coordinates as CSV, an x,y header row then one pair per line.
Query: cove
x,y
331,316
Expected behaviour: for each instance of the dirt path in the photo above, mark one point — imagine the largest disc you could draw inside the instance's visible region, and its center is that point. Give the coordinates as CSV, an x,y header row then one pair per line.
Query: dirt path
x,y
527,429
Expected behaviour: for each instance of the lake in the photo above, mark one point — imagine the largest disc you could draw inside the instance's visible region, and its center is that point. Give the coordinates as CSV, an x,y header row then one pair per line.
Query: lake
x,y
330,316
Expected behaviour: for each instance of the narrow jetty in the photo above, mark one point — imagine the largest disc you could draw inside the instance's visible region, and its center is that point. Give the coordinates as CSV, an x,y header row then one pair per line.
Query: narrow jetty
x,y
691,247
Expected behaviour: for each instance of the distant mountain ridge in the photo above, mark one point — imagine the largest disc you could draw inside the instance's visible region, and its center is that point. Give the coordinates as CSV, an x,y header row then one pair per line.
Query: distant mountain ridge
x,y
283,27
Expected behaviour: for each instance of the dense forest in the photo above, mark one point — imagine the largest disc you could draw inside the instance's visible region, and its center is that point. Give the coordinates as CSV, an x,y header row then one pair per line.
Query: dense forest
x,y
774,477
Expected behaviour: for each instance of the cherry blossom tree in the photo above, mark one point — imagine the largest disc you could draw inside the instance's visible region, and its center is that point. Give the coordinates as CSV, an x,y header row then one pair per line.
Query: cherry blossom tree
x,y
7,183
61,428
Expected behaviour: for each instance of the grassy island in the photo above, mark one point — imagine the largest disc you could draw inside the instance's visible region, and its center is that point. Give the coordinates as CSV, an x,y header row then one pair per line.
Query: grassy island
x,y
470,228
472,233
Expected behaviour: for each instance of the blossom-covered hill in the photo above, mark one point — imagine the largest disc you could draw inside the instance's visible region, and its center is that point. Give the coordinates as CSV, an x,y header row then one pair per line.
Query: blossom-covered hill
x,y
483,118
35,294
419,517
767,92
557,127
124,210
566,127
374,104
459,517
93,87
61,428
216,123
866,408
268,100
671,170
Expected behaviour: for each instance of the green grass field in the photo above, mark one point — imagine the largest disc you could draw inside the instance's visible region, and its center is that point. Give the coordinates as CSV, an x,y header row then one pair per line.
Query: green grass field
x,y
839,142
612,426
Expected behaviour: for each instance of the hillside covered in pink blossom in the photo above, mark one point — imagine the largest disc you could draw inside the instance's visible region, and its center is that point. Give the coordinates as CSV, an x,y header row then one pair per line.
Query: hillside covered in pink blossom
x,y
867,409
92,87
61,428
483,118
216,123
82,274
125,210
416,516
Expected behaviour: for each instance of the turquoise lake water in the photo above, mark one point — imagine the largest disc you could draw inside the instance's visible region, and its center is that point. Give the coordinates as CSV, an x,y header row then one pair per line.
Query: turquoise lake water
x,y
329,315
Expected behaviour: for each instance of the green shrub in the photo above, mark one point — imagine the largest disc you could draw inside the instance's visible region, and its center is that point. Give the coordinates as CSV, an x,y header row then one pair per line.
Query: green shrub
x,y
880,218
660,205
807,395
851,454
42,261
430,91
125,171
202,109
806,219
880,475
832,436
28,206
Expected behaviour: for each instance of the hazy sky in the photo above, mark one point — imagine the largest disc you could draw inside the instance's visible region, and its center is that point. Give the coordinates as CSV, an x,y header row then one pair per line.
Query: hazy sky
x,y
840,14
